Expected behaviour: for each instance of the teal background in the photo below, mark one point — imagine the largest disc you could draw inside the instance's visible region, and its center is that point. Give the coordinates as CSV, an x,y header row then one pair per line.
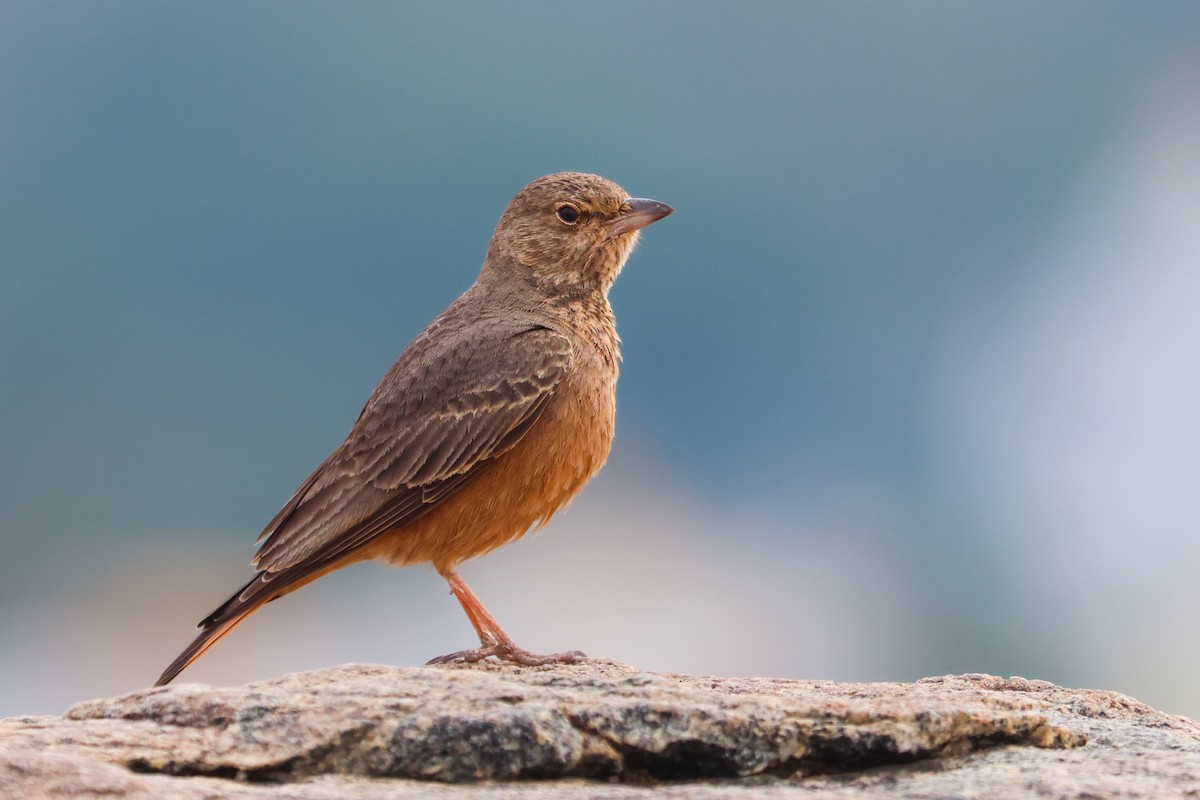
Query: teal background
x,y
910,379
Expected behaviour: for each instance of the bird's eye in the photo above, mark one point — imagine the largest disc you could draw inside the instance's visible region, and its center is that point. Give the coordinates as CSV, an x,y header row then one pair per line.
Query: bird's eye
x,y
568,214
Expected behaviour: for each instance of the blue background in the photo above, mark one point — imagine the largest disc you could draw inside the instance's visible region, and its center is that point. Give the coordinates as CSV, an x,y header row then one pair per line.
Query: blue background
x,y
910,378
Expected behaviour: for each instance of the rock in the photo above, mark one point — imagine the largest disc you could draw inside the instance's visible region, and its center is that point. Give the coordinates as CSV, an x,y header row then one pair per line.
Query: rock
x,y
600,730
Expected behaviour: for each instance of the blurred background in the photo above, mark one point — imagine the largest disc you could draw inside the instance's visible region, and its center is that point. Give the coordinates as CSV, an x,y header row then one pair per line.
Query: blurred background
x,y
911,377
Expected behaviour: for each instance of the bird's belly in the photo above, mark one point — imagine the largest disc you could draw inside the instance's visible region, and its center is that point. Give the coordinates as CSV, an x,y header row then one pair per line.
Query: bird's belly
x,y
516,491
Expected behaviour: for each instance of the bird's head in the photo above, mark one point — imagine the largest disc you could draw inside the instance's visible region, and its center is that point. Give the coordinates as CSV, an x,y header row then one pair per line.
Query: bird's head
x,y
570,231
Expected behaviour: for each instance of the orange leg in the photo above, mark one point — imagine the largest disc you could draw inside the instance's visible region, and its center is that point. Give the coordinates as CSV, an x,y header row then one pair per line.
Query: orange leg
x,y
494,641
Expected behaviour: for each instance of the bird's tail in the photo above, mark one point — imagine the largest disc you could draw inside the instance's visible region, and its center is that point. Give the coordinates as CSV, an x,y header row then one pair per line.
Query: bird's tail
x,y
220,622
262,589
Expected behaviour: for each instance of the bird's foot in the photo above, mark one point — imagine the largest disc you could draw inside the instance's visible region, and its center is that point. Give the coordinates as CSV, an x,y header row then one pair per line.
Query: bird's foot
x,y
507,651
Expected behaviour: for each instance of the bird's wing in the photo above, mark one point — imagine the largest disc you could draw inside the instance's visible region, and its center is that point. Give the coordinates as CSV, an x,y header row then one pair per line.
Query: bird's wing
x,y
442,411
449,405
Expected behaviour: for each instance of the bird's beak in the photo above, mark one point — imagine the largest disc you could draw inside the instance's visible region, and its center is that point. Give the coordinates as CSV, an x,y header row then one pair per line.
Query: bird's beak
x,y
641,213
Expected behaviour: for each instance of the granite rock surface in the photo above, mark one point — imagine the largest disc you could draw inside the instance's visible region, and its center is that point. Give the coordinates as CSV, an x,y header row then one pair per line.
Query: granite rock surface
x,y
601,730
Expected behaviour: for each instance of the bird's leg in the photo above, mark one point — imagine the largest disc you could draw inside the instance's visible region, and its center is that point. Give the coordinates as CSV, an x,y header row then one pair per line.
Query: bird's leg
x,y
489,630
494,642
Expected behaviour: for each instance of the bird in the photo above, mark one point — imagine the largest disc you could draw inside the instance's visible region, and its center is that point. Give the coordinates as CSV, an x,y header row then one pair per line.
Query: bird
x,y
490,421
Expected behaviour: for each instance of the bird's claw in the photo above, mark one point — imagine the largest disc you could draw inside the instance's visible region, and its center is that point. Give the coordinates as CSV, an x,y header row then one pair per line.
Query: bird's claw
x,y
507,651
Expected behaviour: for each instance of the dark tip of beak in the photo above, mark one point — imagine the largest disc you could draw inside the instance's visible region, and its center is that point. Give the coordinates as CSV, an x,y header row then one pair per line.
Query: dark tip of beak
x,y
641,213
